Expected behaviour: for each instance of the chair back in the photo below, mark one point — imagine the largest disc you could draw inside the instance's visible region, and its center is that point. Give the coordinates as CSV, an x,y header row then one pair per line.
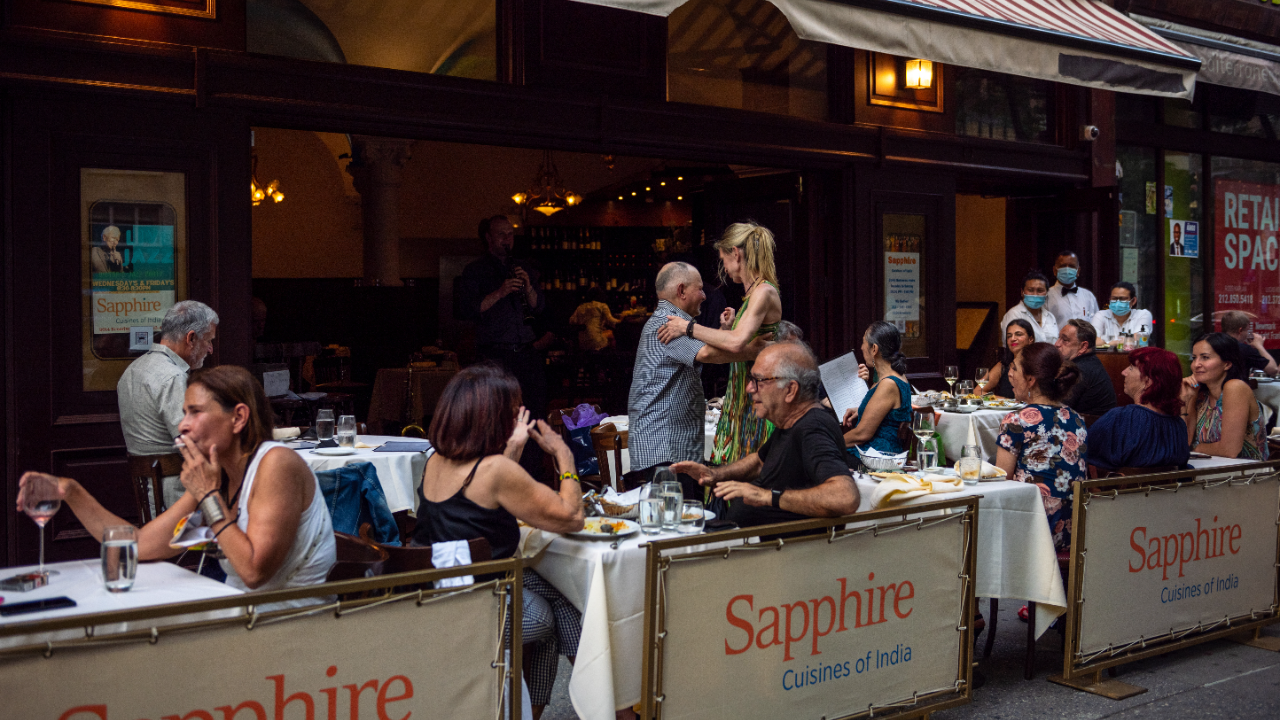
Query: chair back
x,y
609,443
147,473
409,559
357,559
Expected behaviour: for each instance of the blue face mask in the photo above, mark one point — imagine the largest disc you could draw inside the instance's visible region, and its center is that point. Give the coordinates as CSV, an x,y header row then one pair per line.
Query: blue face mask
x,y
1035,302
1067,276
1119,307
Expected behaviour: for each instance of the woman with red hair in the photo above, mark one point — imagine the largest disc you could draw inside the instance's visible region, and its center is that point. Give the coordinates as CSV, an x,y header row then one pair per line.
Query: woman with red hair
x,y
1151,432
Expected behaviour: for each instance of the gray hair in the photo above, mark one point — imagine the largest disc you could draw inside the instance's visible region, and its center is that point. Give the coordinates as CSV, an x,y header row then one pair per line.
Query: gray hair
x,y
788,332
798,363
187,316
672,274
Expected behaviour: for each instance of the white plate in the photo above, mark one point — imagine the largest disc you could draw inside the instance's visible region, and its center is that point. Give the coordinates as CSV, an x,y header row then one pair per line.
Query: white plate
x,y
632,528
1010,406
335,451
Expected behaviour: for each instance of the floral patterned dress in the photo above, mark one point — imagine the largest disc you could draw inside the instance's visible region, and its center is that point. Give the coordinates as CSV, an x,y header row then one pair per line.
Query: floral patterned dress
x,y
1049,443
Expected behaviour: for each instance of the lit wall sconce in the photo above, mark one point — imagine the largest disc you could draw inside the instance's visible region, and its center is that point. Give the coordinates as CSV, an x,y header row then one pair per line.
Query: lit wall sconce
x,y
919,74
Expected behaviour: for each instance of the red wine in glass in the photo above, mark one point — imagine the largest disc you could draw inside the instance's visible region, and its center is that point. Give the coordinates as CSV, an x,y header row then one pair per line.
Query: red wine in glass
x,y
41,501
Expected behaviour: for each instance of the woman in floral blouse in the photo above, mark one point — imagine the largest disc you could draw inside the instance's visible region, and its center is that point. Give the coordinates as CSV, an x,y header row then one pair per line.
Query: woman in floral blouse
x,y
1044,443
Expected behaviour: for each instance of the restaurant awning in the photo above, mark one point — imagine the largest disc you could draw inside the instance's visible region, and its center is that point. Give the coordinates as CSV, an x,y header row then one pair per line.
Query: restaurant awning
x,y
1225,59
1081,42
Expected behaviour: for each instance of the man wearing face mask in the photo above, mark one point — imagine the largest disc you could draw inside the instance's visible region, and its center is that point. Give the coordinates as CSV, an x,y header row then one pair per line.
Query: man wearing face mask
x,y
1035,290
1120,316
1066,299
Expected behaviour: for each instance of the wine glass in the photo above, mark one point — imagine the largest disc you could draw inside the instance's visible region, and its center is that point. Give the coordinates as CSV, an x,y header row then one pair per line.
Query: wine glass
x,y
951,373
979,377
41,501
922,425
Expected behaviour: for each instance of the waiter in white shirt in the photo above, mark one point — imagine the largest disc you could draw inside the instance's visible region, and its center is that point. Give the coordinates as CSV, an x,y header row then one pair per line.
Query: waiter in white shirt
x,y
1066,299
1120,315
1035,290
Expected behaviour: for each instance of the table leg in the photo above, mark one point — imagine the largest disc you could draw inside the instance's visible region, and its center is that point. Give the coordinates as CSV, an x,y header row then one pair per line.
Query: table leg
x,y
991,628
1030,669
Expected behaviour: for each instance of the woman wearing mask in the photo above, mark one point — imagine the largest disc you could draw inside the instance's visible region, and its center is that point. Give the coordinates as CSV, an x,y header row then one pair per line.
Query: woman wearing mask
x,y
1120,316
1035,290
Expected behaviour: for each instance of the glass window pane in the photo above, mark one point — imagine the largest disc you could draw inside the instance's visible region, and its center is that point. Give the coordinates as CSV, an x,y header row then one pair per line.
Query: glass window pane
x,y
1184,267
1139,261
1002,107
1246,273
1181,113
743,54
904,279
1240,112
1135,108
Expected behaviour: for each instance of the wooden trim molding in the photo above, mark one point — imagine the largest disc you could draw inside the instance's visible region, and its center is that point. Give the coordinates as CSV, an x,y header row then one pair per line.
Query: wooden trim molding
x,y
87,419
191,8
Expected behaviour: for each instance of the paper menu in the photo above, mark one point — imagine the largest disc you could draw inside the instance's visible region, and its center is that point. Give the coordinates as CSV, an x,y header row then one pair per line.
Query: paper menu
x,y
844,388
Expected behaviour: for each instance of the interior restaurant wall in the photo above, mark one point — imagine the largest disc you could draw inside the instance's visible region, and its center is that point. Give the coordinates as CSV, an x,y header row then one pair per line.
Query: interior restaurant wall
x,y
980,249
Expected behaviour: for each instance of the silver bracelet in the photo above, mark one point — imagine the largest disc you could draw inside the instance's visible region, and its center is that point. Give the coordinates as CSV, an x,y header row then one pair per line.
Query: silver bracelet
x,y
212,512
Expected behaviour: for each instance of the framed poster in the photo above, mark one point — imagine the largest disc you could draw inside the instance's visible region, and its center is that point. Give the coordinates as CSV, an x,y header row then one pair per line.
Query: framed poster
x,y
903,238
191,8
133,264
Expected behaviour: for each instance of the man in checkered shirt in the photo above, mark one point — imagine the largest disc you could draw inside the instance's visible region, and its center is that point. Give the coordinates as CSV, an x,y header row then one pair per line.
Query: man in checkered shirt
x,y
667,410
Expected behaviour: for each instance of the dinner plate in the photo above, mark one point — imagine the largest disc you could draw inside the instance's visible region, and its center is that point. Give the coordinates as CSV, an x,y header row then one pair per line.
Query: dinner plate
x,y
1005,406
629,528
335,451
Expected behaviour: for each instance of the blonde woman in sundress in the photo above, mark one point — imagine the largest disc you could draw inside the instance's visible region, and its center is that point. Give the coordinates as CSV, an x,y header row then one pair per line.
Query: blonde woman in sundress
x,y
746,257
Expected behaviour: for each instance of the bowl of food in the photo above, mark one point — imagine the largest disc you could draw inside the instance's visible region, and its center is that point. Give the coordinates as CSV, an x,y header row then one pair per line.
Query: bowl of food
x,y
968,404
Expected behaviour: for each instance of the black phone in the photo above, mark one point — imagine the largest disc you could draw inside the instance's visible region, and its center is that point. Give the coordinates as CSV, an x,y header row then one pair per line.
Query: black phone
x,y
56,603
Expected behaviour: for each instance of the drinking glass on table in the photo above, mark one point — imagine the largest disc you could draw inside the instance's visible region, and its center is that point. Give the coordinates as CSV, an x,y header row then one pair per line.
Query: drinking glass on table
x,y
40,502
951,373
672,497
324,425
119,557
971,465
693,517
347,431
966,387
922,425
651,515
979,376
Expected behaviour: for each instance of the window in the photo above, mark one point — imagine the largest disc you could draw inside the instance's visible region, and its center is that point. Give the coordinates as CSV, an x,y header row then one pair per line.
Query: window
x,y
1002,107
1139,218
1183,199
1246,272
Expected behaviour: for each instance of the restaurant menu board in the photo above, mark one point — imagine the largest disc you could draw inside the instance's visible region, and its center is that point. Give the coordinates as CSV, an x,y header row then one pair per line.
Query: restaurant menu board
x,y
902,283
1169,561
815,629
1247,261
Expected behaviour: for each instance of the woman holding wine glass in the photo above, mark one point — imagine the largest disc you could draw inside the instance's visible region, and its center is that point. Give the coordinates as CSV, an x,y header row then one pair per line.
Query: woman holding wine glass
x,y
258,497
878,421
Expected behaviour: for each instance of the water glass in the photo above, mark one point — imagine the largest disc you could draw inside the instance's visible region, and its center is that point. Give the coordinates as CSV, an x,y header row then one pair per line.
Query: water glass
x,y
966,387
324,425
672,502
927,459
651,515
693,518
347,431
119,557
971,465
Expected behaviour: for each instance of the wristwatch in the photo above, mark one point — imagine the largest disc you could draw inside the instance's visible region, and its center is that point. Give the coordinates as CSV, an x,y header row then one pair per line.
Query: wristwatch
x,y
777,499
688,331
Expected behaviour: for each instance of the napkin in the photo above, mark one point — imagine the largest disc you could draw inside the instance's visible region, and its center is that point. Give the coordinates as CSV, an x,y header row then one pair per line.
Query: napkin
x,y
285,433
898,487
452,553
364,446
972,439
630,497
988,470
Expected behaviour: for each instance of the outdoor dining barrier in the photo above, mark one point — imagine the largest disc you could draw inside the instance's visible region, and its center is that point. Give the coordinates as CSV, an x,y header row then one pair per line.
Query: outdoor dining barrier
x,y
1160,562
425,653
841,622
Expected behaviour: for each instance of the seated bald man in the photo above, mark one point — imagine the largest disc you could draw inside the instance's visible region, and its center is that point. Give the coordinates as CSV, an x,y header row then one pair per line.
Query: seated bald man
x,y
800,471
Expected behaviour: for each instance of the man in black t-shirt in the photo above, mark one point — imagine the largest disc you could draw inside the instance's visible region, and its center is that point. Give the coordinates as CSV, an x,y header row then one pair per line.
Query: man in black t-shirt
x,y
1093,393
1253,353
800,471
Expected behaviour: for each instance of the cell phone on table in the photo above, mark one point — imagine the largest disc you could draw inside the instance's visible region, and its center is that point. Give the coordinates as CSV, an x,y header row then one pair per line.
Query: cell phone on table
x,y
31,606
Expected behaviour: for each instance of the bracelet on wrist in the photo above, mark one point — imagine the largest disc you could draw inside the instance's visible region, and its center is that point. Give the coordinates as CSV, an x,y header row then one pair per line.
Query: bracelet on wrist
x,y
231,522
569,476
212,511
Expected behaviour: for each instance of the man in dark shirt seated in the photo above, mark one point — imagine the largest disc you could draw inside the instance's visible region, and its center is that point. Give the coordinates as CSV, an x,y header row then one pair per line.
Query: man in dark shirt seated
x,y
1094,394
800,471
1253,353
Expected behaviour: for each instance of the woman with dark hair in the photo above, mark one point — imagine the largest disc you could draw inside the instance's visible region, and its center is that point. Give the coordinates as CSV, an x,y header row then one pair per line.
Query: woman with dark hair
x,y
258,497
473,488
1154,381
1044,442
887,404
1223,416
1035,291
595,318
1017,336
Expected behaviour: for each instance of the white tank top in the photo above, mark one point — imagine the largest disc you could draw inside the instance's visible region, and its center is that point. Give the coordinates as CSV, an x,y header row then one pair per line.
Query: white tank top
x,y
313,552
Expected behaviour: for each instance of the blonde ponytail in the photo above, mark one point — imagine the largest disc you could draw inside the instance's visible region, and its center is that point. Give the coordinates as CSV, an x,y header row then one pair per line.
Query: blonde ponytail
x,y
757,249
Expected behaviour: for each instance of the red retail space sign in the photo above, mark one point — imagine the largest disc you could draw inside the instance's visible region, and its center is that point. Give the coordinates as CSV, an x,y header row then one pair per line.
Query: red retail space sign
x,y
1246,274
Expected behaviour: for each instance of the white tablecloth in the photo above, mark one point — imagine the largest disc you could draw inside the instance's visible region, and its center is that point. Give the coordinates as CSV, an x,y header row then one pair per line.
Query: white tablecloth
x,y
1016,558
400,473
954,429
157,583
620,422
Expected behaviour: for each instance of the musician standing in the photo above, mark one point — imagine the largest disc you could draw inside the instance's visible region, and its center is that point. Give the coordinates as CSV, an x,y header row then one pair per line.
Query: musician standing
x,y
500,296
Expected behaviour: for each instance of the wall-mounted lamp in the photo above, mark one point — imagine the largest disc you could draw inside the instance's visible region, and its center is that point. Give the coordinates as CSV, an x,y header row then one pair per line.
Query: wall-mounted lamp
x,y
919,74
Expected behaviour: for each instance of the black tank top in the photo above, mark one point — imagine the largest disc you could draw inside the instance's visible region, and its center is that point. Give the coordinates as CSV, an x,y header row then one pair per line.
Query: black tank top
x,y
460,519
1004,388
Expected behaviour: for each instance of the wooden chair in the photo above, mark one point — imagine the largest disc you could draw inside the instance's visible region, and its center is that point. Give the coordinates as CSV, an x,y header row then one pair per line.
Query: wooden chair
x,y
357,559
148,473
607,440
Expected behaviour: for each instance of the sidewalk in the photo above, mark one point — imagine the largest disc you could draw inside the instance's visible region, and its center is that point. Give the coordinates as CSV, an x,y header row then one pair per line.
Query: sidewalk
x,y
1220,680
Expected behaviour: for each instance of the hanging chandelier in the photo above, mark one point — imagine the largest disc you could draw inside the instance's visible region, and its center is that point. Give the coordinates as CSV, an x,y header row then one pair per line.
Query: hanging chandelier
x,y
548,194
258,193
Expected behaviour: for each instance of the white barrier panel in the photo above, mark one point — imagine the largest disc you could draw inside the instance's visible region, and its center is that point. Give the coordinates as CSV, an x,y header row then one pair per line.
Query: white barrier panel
x,y
815,629
1166,561
397,660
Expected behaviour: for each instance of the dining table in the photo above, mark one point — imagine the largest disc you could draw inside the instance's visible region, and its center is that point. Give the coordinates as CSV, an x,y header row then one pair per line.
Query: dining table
x,y
399,473
156,583
953,427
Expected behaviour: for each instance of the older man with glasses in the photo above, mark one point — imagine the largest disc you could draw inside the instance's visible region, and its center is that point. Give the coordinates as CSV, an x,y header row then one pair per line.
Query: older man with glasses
x,y
1093,394
800,471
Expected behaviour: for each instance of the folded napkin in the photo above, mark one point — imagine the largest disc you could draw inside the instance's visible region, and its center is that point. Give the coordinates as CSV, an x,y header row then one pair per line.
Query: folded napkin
x,y
630,497
364,446
285,433
452,553
988,470
897,487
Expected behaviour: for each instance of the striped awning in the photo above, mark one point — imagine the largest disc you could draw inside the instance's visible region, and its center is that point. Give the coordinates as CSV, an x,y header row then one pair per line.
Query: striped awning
x,y
1081,42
